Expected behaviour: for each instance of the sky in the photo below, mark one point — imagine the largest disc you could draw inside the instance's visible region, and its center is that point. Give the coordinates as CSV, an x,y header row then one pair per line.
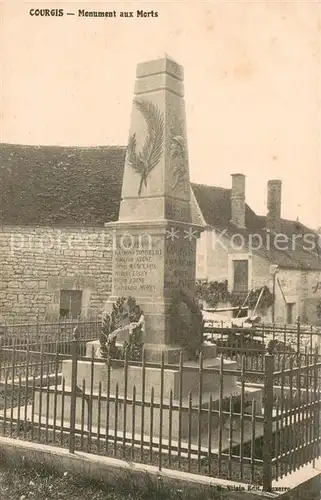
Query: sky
x,y
252,86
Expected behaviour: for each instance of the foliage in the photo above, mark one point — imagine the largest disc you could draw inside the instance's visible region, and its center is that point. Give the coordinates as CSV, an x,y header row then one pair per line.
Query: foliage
x,y
186,323
319,310
266,299
111,350
215,292
123,313
133,348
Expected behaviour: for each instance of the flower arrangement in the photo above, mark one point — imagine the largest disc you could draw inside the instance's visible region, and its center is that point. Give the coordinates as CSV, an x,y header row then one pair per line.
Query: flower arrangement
x,y
125,314
186,323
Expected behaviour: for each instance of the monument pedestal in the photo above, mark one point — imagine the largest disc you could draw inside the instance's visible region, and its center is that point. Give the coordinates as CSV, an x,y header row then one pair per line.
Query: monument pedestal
x,y
148,418
154,240
154,261
154,267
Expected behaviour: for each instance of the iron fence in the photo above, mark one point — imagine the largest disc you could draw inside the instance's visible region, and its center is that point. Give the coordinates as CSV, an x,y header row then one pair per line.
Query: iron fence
x,y
222,420
284,338
251,341
45,333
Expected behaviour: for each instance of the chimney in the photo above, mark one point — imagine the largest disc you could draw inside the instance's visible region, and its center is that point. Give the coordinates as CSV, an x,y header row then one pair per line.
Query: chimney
x,y
238,200
273,218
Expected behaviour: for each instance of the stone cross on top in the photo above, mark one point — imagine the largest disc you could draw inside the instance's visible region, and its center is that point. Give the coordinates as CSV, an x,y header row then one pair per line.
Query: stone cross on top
x,y
154,256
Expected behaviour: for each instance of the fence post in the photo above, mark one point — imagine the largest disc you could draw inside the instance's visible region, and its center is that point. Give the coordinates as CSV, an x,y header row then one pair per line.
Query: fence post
x,y
73,398
298,331
267,424
1,355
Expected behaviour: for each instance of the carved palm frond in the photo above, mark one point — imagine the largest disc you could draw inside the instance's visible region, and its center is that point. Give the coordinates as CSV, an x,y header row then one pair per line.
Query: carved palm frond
x,y
153,147
178,154
132,157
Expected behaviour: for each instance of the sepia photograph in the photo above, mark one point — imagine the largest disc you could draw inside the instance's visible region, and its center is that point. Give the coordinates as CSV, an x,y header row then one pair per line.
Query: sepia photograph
x,y
160,244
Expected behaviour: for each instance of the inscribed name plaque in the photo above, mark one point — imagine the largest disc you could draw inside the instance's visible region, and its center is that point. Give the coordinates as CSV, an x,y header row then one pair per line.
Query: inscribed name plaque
x,y
137,271
180,262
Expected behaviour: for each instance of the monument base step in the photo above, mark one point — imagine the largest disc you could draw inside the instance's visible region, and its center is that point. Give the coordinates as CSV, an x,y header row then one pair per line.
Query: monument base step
x,y
89,408
153,352
97,374
49,422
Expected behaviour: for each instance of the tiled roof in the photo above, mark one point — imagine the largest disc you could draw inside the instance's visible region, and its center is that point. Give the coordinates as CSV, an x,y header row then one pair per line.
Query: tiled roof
x,y
215,204
58,185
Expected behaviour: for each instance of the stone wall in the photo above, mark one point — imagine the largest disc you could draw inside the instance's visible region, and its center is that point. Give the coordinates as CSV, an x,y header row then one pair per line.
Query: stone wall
x,y
38,262
213,249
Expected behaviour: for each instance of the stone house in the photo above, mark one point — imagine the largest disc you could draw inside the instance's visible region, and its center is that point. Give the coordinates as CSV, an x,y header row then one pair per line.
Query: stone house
x,y
56,253
245,248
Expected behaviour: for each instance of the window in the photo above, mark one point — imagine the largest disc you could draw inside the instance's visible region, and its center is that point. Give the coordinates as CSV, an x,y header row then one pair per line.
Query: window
x,y
70,303
289,313
240,275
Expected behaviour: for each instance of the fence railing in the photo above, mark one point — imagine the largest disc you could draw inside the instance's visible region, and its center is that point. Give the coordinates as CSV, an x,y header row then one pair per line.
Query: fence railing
x,y
296,418
283,338
37,333
290,338
250,425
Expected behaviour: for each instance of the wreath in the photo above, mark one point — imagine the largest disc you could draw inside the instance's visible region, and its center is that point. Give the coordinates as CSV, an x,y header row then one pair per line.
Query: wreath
x,y
186,323
125,311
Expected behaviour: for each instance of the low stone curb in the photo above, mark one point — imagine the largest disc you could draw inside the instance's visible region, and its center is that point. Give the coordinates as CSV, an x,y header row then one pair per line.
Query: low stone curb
x,y
110,470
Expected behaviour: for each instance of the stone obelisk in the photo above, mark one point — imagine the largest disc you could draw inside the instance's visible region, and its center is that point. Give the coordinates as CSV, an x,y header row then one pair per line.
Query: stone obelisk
x,y
154,258
154,238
